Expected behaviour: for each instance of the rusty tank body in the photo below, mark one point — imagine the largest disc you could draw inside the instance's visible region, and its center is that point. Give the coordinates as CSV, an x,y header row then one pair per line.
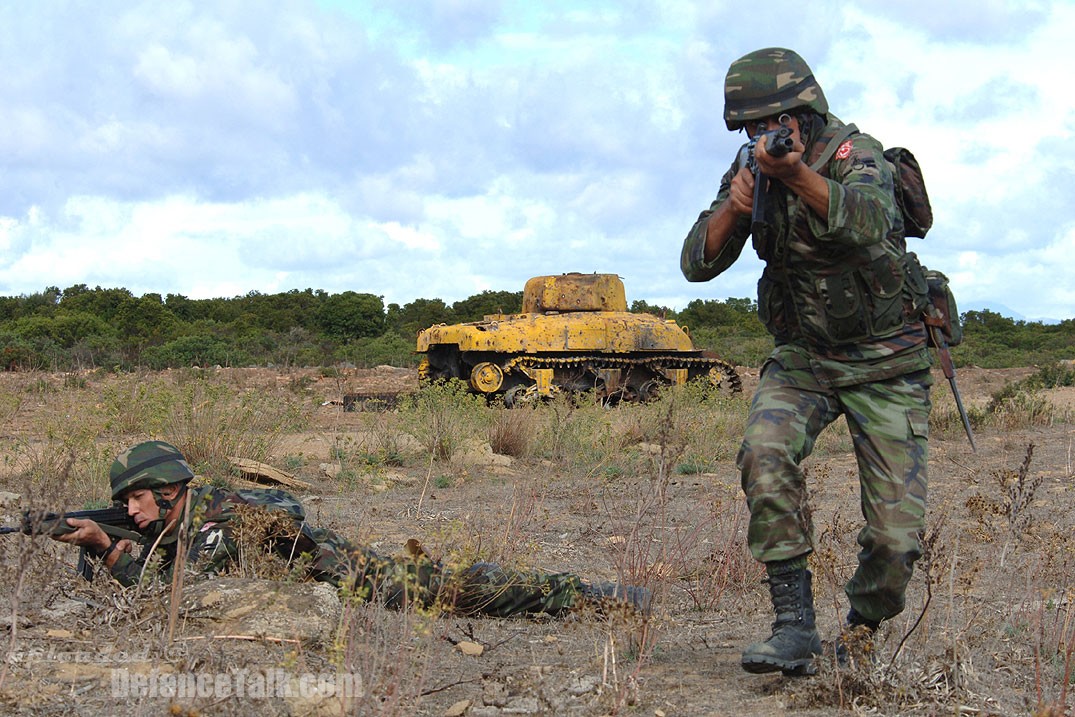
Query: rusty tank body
x,y
574,334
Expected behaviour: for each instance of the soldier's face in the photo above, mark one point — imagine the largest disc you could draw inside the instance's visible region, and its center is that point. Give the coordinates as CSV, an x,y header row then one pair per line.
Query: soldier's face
x,y
142,504
142,507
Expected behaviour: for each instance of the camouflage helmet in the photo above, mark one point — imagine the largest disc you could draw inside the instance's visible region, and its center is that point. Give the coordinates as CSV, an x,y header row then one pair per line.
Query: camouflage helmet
x,y
152,464
768,82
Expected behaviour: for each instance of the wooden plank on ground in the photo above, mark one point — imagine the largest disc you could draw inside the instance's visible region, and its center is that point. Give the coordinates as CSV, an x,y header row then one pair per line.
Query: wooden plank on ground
x,y
262,473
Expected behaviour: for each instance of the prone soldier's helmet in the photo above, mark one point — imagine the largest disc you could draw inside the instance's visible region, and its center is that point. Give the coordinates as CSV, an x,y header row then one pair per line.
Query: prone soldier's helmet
x,y
152,465
769,82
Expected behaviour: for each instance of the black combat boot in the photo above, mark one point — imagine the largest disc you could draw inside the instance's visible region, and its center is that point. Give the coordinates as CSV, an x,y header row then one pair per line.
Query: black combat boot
x,y
854,619
794,641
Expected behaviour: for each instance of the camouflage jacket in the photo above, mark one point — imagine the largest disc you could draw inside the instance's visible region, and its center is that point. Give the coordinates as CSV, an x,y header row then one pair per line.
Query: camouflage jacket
x,y
843,292
213,531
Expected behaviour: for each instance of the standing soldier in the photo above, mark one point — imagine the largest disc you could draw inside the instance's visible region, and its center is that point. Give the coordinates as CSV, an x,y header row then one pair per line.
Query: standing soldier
x,y
843,300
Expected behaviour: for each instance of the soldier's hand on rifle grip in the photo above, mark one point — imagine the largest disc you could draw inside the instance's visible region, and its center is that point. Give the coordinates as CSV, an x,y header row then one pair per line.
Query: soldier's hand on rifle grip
x,y
741,192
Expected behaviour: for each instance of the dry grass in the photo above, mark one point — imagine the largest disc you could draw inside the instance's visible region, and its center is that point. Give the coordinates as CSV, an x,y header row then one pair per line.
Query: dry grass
x,y
643,494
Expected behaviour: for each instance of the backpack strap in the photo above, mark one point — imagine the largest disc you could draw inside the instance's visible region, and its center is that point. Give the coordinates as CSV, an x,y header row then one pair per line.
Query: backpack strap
x,y
833,145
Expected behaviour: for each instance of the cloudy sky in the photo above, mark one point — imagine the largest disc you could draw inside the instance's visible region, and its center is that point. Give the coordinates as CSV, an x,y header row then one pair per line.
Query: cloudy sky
x,y
438,148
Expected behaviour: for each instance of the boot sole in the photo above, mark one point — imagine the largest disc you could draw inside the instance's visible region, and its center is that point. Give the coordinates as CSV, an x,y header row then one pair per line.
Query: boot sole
x,y
792,668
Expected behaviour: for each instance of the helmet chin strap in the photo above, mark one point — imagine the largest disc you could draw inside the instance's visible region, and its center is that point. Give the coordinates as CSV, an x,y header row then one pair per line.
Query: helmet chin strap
x,y
156,527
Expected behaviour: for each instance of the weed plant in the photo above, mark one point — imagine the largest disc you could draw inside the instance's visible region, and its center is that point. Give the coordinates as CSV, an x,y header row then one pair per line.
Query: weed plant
x,y
392,651
1023,405
989,612
511,432
712,564
946,422
137,405
574,430
493,532
443,417
707,424
211,422
60,472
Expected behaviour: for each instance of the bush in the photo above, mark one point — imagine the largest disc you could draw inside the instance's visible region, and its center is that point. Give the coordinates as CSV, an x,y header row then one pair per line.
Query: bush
x,y
1052,376
388,349
200,350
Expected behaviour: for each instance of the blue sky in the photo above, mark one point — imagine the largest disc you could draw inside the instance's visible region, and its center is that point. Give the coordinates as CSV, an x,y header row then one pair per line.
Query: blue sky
x,y
438,148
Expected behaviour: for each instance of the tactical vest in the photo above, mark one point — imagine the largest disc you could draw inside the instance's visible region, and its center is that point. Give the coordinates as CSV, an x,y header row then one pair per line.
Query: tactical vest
x,y
826,293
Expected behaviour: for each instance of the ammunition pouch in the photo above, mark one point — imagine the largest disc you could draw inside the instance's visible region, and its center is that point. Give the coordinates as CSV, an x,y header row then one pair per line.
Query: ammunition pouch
x,y
873,301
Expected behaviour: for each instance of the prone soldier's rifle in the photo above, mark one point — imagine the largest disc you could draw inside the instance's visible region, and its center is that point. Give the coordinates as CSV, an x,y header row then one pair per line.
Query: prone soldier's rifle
x,y
115,522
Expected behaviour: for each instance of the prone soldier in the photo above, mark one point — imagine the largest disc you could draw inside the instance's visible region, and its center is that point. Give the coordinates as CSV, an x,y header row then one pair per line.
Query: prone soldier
x,y
202,524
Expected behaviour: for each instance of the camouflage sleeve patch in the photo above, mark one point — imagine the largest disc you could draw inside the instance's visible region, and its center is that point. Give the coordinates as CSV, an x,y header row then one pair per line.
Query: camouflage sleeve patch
x,y
862,206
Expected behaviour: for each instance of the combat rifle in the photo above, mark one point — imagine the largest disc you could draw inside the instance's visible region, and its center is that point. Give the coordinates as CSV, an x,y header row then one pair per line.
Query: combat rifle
x,y
114,521
778,143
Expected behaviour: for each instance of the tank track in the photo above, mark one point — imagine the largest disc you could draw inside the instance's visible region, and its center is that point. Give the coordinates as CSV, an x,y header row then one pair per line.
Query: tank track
x,y
654,363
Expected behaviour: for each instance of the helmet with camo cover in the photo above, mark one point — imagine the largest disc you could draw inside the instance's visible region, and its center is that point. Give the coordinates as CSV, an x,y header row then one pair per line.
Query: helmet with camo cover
x,y
152,465
768,82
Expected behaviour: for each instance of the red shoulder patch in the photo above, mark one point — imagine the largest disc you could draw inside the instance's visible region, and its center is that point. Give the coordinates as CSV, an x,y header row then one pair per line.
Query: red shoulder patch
x,y
844,150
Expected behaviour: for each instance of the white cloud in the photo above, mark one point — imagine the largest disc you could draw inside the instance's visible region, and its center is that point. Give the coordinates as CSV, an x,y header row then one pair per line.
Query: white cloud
x,y
166,74
439,148
410,237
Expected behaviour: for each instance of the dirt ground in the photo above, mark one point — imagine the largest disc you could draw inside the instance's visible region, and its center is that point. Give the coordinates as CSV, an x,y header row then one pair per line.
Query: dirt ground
x,y
995,587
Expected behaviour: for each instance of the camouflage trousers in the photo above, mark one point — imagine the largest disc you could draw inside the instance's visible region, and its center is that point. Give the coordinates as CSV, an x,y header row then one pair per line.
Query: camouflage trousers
x,y
400,581
889,425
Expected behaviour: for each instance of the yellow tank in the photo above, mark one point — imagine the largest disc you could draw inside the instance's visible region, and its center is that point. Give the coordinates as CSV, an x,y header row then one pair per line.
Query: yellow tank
x,y
574,334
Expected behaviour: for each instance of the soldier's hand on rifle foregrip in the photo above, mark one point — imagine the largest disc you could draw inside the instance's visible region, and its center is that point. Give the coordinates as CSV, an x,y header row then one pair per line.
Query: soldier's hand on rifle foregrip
x,y
86,534
779,167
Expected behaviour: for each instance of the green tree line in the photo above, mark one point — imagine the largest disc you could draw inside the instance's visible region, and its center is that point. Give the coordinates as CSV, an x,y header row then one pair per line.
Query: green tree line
x,y
80,327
